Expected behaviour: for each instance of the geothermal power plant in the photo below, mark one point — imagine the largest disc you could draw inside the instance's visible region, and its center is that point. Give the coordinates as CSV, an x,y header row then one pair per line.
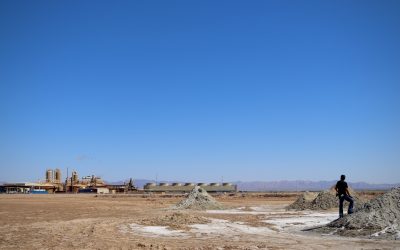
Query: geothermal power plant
x,y
54,183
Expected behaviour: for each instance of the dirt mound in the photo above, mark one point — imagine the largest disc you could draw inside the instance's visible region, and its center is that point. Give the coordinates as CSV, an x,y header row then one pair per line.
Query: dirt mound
x,y
198,199
176,220
324,200
378,218
303,202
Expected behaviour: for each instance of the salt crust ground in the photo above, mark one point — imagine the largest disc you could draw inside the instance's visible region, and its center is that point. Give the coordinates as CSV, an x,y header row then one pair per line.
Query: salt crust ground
x,y
215,228
275,221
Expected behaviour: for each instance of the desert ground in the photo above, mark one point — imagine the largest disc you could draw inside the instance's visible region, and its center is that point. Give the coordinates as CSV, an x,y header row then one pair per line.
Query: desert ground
x,y
142,221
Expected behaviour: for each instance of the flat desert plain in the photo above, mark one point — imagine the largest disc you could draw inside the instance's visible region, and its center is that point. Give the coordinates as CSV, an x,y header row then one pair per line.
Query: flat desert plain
x,y
140,221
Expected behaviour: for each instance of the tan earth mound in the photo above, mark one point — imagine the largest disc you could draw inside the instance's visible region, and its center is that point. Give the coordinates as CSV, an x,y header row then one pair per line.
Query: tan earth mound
x,y
378,218
324,200
303,202
198,199
176,220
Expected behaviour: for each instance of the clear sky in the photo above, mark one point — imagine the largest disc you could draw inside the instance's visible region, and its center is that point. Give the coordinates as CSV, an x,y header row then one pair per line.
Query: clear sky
x,y
200,90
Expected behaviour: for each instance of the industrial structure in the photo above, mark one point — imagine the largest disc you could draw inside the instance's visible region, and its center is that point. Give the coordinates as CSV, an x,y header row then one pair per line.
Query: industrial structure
x,y
28,187
96,190
74,184
53,183
187,187
53,178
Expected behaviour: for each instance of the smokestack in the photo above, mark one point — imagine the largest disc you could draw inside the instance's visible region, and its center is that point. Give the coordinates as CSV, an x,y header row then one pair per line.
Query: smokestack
x,y
58,175
49,175
75,177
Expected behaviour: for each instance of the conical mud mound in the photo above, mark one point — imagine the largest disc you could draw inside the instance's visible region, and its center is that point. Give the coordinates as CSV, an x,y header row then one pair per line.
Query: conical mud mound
x,y
303,202
198,199
323,200
378,218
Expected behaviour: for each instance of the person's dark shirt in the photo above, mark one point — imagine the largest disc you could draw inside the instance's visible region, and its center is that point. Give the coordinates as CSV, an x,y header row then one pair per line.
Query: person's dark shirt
x,y
341,187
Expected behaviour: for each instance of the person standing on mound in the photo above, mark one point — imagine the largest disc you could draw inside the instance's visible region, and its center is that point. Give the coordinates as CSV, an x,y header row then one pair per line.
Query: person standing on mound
x,y
342,192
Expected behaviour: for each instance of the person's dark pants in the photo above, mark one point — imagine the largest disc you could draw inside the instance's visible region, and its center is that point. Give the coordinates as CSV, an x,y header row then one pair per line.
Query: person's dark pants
x,y
342,198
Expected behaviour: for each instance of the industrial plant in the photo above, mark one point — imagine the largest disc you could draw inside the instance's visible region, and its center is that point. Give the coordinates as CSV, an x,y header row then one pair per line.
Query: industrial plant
x,y
53,183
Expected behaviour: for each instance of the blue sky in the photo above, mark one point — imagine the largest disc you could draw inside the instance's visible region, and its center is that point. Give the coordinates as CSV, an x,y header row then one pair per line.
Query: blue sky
x,y
201,90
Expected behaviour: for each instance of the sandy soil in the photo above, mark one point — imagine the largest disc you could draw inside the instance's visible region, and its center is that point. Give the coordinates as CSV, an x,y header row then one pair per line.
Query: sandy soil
x,y
145,222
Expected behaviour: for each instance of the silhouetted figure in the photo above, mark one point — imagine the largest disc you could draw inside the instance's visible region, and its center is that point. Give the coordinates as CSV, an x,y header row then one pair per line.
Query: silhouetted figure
x,y
342,192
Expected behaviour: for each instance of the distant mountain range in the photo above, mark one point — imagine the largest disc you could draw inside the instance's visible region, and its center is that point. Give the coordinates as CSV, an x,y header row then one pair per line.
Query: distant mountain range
x,y
307,185
298,185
